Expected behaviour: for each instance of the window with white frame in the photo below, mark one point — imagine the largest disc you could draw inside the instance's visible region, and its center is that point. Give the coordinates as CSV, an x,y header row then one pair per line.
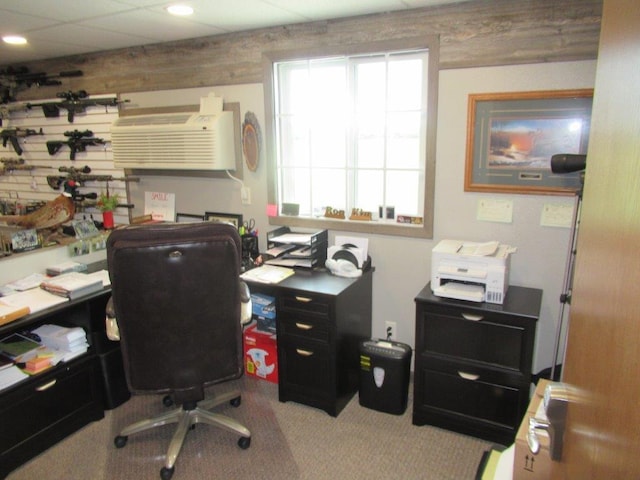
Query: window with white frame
x,y
354,130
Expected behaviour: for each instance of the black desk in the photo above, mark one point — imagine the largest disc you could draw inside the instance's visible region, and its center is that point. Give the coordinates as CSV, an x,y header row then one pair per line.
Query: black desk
x,y
321,320
45,408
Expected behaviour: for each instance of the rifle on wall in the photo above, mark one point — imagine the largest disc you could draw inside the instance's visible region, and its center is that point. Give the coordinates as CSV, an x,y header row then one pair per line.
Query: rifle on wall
x,y
12,135
74,102
12,80
7,108
78,142
81,175
12,164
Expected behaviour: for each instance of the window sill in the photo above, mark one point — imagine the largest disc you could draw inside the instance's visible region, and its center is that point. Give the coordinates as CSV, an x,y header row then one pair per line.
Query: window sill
x,y
378,228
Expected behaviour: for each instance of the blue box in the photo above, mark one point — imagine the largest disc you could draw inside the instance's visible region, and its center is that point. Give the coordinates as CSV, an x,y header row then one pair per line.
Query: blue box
x,y
263,306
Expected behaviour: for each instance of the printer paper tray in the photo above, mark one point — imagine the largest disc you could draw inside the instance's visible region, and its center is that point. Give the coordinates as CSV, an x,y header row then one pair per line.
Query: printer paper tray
x,y
461,291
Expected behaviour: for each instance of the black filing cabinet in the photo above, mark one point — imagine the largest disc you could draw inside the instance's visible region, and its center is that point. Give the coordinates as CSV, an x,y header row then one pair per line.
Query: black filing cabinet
x,y
321,320
473,362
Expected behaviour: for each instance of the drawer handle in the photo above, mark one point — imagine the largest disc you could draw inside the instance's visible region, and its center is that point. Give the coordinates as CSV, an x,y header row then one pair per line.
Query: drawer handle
x,y
304,299
46,386
304,353
472,317
304,326
468,376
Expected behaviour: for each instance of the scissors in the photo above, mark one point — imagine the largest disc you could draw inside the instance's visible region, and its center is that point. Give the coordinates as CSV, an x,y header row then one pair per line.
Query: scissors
x,y
249,226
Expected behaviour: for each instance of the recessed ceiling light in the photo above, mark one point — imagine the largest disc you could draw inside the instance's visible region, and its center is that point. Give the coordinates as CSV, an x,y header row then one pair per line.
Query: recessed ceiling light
x,y
181,10
14,40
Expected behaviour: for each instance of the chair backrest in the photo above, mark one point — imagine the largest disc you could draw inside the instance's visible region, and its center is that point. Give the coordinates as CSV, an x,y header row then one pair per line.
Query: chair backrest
x,y
176,296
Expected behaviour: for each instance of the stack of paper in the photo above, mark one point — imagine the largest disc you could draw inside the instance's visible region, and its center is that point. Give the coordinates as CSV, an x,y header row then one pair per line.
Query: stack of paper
x,y
70,342
267,274
72,285
66,267
36,299
11,375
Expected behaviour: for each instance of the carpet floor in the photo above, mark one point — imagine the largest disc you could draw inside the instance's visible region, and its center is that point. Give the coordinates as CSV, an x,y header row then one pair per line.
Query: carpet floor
x,y
289,441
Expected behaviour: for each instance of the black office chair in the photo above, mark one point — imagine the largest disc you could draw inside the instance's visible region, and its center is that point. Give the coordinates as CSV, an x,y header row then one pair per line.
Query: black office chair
x,y
176,296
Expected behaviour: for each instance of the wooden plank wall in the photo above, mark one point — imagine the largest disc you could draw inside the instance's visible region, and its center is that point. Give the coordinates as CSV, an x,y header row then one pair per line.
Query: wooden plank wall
x,y
474,33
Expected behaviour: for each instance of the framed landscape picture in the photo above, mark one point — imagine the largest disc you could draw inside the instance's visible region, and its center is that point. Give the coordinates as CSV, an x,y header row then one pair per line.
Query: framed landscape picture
x,y
511,138
233,218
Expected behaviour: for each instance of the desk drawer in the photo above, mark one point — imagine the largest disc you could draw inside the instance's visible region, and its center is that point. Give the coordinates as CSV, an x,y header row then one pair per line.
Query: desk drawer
x,y
454,396
304,326
485,339
36,408
306,303
305,366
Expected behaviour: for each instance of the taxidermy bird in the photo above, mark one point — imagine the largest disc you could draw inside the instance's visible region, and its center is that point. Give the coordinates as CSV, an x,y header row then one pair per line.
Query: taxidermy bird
x,y
52,214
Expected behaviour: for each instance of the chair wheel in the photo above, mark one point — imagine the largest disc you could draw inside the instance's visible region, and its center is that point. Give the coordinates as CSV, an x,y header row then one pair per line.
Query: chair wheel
x,y
244,442
166,473
235,402
120,441
167,401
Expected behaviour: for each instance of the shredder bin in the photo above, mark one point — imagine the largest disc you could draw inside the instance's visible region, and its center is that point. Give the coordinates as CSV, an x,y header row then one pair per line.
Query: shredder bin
x,y
384,375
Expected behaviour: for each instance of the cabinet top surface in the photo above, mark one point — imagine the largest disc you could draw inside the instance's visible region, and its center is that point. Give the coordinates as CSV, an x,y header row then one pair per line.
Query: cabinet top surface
x,y
315,281
521,301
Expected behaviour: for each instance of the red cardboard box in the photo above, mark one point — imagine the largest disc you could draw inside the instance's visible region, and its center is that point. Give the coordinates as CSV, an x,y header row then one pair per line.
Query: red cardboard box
x,y
260,354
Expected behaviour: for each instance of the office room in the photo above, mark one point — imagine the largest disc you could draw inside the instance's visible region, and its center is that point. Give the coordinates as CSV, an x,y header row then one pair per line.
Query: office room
x,y
139,62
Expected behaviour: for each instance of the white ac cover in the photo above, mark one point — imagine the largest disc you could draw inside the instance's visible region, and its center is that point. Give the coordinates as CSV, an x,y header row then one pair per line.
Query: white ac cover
x,y
178,141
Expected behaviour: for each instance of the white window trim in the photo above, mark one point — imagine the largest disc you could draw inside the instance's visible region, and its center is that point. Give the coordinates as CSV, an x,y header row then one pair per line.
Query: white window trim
x,y
425,230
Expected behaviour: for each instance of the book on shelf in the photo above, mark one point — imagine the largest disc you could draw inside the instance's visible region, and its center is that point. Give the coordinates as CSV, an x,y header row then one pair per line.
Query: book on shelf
x,y
18,347
9,313
72,285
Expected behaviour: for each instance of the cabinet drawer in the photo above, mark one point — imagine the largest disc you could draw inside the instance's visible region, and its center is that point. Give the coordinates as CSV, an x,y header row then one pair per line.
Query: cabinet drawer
x,y
304,326
305,367
488,339
46,400
304,303
499,405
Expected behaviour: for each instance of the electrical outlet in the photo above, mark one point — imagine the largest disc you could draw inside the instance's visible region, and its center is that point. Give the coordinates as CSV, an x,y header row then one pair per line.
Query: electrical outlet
x,y
390,330
245,194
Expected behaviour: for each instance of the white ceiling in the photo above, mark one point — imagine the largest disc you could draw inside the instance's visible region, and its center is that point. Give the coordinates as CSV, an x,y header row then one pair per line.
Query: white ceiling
x,y
57,28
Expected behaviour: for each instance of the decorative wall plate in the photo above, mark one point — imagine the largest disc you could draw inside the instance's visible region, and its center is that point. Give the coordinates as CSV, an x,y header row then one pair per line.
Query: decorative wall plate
x,y
251,141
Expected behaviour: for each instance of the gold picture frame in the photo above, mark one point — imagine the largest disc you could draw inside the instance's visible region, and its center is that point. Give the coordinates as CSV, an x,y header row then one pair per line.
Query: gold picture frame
x,y
511,138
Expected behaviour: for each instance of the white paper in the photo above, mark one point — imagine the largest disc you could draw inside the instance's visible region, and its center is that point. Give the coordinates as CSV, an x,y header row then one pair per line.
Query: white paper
x,y
36,299
161,206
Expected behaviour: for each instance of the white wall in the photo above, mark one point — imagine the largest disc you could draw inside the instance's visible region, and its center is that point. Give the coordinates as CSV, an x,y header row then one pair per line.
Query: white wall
x,y
403,264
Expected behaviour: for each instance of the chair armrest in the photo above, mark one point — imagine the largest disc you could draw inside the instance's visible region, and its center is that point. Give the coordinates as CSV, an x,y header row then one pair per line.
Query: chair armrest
x,y
113,332
246,306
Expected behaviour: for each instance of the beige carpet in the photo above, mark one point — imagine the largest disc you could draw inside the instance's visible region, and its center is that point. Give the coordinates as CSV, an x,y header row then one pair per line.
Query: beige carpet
x,y
290,441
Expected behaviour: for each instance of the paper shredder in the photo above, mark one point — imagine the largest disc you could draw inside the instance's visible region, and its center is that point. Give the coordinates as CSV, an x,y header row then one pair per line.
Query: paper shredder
x,y
384,375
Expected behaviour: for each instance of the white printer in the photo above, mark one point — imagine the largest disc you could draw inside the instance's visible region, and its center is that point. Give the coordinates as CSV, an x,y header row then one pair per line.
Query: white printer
x,y
478,272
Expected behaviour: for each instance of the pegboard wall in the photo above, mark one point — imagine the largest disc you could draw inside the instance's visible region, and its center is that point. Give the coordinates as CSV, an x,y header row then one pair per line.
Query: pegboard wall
x,y
21,187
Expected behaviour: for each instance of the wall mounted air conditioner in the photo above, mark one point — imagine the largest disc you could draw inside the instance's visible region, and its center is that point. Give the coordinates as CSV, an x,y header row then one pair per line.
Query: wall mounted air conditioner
x,y
178,141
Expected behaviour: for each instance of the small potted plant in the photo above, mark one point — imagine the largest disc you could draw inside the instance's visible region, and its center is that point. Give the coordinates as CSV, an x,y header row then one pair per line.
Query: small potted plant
x,y
107,203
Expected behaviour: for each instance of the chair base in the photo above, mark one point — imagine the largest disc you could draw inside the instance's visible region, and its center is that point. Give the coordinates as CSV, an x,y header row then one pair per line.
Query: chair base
x,y
187,419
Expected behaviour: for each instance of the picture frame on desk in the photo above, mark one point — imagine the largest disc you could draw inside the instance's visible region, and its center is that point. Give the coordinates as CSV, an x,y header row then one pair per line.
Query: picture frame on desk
x,y
232,218
512,136
188,218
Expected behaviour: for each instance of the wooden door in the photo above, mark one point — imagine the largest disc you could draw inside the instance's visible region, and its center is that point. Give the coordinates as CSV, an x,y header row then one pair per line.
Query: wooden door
x,y
603,349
